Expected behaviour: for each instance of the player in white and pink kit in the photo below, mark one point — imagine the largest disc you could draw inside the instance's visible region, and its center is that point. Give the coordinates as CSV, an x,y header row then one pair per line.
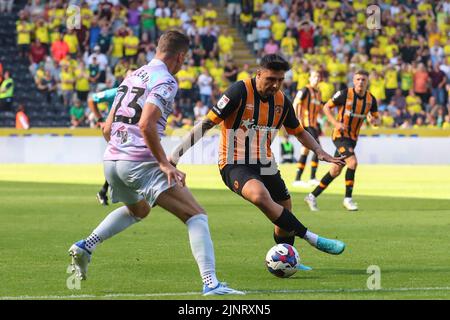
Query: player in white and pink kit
x,y
137,168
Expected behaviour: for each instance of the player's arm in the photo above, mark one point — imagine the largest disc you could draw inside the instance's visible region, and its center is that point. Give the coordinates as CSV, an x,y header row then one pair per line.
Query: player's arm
x,y
337,100
106,129
103,96
294,127
148,126
299,97
229,102
373,116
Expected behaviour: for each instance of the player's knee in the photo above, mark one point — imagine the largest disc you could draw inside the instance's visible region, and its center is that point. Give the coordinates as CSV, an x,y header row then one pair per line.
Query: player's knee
x,y
140,210
261,199
352,163
335,171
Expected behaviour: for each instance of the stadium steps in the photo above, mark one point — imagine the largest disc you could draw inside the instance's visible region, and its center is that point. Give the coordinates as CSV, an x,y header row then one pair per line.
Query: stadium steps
x,y
242,54
40,113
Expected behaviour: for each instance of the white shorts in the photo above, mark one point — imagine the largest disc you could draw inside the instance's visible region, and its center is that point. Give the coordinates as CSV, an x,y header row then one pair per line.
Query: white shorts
x,y
133,181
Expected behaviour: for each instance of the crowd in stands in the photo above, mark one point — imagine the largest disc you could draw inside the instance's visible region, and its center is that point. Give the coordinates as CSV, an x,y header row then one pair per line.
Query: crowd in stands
x,y
407,57
407,54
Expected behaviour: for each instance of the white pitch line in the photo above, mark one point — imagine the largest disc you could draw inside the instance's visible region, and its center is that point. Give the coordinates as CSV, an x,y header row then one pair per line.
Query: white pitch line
x,y
169,294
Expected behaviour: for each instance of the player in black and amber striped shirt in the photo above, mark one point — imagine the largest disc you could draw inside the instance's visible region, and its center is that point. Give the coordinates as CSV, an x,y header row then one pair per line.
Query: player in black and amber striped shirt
x,y
308,105
353,105
250,113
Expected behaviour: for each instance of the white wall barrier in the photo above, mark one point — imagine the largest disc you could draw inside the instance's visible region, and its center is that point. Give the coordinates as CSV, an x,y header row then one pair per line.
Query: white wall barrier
x,y
84,150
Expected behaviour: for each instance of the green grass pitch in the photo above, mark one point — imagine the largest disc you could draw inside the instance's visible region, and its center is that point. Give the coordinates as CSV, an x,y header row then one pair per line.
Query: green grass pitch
x,y
403,227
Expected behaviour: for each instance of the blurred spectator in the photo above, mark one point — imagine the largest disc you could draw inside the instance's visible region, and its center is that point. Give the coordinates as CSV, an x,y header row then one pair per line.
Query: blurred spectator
x,y
22,121
148,22
432,105
67,81
186,79
102,62
41,33
387,120
205,84
391,81
71,39
94,34
288,45
231,71
243,74
6,92
413,103
398,100
116,49
82,82
438,81
131,45
209,42
306,35
104,40
24,29
37,55
94,73
105,9
134,17
77,114
234,8
246,21
225,44
200,110
271,47
46,84
59,49
6,6
263,26
287,150
421,83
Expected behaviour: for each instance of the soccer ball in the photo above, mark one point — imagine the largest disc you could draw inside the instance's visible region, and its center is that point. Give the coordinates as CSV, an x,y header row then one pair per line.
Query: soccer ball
x,y
282,260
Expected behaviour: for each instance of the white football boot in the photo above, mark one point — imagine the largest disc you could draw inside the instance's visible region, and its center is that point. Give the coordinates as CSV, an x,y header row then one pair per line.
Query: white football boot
x,y
350,205
311,201
80,259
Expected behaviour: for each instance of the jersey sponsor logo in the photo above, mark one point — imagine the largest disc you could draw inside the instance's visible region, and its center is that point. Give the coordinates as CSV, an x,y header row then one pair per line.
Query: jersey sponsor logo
x,y
250,124
236,185
223,102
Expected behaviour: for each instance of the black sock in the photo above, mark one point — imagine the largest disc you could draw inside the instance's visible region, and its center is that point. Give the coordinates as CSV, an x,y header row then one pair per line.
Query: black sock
x,y
279,239
288,222
314,164
349,181
301,166
105,187
326,180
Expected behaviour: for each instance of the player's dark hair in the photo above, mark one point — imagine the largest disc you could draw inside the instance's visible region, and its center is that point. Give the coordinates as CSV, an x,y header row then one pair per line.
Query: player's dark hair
x,y
274,62
173,42
362,73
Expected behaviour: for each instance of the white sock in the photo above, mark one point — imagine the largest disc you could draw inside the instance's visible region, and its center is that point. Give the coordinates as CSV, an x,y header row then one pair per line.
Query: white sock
x,y
311,238
115,222
202,248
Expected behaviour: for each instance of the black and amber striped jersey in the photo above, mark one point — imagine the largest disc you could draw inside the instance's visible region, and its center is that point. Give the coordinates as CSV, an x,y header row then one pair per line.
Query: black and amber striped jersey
x,y
352,110
307,105
249,123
